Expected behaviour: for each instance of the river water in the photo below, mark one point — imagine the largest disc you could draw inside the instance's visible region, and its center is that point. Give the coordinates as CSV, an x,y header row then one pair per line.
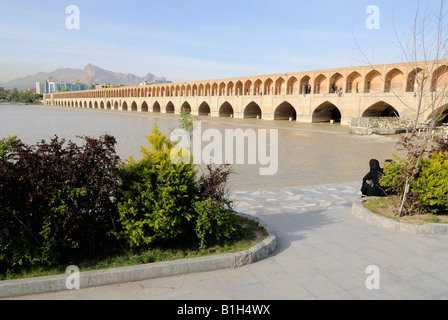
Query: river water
x,y
308,154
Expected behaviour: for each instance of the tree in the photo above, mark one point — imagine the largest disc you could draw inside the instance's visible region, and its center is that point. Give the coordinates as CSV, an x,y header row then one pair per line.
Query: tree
x,y
3,94
14,95
426,52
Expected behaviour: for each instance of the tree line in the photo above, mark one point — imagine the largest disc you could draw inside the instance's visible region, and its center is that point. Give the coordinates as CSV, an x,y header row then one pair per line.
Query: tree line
x,y
20,96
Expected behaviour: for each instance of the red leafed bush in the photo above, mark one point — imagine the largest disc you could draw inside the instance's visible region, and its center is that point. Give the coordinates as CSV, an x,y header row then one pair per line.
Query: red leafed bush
x,y
56,199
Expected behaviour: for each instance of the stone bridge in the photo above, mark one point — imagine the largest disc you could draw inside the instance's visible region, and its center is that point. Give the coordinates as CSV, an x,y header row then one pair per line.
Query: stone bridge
x,y
334,95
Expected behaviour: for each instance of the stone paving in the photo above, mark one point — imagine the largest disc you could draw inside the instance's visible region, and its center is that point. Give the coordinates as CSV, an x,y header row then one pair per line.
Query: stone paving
x,y
323,253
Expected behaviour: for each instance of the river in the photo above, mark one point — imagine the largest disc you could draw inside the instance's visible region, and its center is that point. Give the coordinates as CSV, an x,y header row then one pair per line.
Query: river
x,y
308,154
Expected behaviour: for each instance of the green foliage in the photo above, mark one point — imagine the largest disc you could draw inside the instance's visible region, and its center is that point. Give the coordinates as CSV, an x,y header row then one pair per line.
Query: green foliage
x,y
155,195
428,190
214,222
59,200
188,122
432,183
7,147
393,180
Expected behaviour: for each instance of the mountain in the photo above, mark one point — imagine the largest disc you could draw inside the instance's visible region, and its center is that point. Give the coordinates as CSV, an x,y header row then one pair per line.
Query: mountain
x,y
86,75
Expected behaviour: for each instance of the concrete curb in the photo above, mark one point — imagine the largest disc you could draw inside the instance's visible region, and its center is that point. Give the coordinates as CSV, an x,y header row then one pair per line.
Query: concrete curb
x,y
90,279
368,216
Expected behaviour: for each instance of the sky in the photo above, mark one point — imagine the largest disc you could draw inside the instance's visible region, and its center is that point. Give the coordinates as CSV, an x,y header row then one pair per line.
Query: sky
x,y
187,40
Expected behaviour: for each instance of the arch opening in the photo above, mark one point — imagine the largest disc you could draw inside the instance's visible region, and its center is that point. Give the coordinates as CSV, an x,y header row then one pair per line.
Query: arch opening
x,y
327,112
440,115
145,107
156,107
252,111
170,108
226,111
354,82
381,110
186,107
285,111
204,109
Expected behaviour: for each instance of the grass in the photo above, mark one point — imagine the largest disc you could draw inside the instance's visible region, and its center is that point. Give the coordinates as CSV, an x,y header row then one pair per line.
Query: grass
x,y
388,207
252,234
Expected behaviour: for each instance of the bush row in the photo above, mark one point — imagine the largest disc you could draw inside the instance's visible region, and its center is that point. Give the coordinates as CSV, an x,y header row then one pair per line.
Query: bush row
x,y
59,200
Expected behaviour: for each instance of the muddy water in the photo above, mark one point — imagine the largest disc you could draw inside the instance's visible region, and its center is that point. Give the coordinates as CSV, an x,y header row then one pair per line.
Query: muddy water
x,y
308,154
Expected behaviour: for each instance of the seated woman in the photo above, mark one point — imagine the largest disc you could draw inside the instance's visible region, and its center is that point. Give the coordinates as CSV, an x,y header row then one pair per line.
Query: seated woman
x,y
371,182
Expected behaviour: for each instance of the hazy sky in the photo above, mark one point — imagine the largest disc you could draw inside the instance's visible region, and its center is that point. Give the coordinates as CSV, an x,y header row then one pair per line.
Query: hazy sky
x,y
199,39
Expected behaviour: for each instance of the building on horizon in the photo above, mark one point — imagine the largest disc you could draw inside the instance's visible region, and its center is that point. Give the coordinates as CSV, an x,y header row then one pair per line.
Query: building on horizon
x,y
47,87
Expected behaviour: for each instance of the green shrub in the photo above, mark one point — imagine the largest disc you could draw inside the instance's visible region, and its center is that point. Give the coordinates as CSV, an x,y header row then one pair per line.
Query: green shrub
x,y
432,183
8,146
214,222
393,180
155,196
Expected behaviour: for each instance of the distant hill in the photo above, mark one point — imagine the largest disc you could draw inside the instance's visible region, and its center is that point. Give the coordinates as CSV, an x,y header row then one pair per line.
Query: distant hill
x,y
86,75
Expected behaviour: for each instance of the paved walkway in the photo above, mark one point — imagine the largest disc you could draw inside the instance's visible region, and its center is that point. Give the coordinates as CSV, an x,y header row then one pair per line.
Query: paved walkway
x,y
323,253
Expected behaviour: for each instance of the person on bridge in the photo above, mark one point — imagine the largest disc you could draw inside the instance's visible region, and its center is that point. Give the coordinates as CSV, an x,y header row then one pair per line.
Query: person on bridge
x,y
371,182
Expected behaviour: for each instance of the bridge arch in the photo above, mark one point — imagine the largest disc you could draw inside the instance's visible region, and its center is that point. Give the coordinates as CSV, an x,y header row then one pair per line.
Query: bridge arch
x,y
440,79
304,82
414,78
186,107
327,112
170,108
336,82
280,86
293,86
380,109
373,82
394,81
440,115
145,107
285,111
109,105
116,105
230,89
258,87
268,86
156,107
239,89
320,84
134,106
253,111
204,109
226,110
354,82
222,89
248,88
124,106
201,89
